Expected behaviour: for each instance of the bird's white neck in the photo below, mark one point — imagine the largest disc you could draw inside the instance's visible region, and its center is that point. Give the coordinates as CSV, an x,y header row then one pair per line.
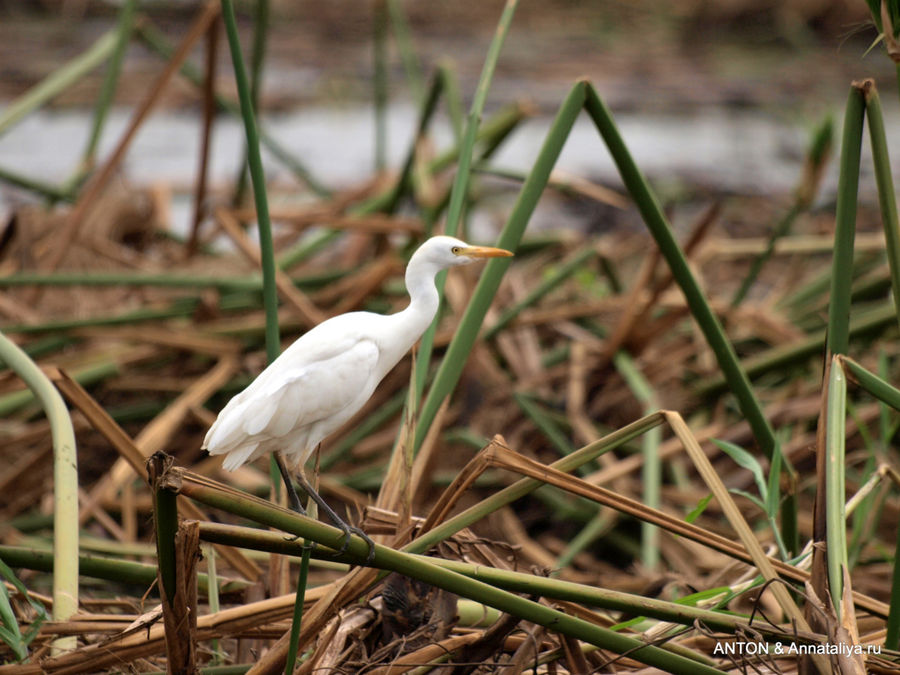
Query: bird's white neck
x,y
423,298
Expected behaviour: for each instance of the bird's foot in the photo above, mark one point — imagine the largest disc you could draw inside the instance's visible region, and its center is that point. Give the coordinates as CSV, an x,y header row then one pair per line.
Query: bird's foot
x,y
350,530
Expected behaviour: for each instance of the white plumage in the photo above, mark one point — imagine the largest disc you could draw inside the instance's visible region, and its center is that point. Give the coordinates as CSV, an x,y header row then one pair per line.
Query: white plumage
x,y
329,373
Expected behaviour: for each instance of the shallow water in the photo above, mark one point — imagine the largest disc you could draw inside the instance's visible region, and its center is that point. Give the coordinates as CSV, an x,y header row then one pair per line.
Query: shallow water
x,y
745,151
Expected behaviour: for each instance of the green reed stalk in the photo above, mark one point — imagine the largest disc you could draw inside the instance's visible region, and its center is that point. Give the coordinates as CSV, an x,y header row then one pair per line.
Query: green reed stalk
x,y
887,199
665,239
108,568
254,159
845,225
451,366
257,58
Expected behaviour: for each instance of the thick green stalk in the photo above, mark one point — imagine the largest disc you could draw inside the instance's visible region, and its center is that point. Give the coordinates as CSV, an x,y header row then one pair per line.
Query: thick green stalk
x,y
461,344
299,598
887,199
93,566
257,58
845,225
165,518
835,439
665,239
254,158
422,569
65,484
517,582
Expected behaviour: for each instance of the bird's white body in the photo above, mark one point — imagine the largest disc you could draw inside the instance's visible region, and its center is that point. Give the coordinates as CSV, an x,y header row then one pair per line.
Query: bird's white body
x,y
328,374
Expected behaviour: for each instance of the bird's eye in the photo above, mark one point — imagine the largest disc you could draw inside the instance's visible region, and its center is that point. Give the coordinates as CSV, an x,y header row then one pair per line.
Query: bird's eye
x,y
456,250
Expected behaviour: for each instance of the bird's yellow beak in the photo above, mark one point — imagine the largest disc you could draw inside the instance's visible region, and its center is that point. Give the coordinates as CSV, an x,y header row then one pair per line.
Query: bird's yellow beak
x,y
485,252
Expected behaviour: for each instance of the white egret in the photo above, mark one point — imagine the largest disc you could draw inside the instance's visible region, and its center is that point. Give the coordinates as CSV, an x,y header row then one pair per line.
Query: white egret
x,y
328,374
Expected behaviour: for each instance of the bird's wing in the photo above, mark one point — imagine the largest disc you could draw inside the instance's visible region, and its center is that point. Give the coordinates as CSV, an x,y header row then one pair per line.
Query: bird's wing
x,y
288,396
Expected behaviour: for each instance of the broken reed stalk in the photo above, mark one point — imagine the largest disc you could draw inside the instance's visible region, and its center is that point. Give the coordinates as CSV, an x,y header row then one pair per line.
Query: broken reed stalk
x,y
498,455
233,501
178,549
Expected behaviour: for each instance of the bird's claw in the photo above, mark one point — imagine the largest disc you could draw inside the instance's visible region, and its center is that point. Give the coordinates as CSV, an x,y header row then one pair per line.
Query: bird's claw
x,y
350,530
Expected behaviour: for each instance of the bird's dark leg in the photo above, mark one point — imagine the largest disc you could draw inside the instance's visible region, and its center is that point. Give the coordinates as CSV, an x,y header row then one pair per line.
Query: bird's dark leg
x,y
336,519
293,497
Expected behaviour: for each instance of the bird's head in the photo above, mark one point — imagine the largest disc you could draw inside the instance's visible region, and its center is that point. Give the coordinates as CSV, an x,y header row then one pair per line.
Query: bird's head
x,y
446,252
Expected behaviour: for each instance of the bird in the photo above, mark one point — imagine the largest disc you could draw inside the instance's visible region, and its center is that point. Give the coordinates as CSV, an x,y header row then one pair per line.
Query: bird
x,y
322,379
